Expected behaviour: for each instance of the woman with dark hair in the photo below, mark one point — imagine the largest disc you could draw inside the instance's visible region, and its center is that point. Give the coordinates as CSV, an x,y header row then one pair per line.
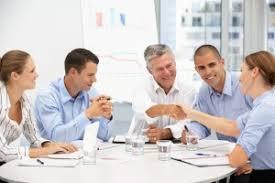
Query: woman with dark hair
x,y
255,129
17,74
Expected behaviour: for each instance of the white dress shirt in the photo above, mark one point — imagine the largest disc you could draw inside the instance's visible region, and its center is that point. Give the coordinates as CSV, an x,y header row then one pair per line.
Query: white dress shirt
x,y
150,94
10,130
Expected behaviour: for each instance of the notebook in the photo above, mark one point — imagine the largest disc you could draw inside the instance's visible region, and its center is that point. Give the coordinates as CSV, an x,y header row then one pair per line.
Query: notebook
x,y
201,159
45,162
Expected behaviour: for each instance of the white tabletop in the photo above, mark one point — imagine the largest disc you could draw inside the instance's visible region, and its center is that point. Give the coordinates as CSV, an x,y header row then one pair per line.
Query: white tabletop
x,y
125,168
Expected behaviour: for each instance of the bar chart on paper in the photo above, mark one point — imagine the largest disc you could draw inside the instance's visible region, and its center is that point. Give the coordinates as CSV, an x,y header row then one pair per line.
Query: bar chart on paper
x,y
118,33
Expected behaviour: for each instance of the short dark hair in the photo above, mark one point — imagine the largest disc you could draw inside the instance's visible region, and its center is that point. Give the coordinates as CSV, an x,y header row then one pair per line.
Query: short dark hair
x,y
78,58
204,49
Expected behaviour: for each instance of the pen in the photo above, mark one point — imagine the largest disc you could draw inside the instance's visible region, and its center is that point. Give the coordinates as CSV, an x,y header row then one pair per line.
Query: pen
x,y
185,127
210,155
39,161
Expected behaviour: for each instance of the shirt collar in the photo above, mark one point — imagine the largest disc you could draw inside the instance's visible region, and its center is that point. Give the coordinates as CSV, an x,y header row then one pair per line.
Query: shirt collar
x,y
65,96
5,97
227,89
258,99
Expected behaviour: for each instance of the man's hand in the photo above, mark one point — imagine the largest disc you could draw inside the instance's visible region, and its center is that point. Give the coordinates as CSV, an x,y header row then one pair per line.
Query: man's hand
x,y
176,112
100,106
154,133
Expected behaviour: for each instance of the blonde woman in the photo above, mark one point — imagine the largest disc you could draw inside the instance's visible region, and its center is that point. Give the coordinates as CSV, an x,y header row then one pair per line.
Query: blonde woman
x,y
17,74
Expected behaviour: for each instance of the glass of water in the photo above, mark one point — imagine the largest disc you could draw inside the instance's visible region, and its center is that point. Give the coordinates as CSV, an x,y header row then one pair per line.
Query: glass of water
x,y
164,149
138,145
128,143
89,156
192,140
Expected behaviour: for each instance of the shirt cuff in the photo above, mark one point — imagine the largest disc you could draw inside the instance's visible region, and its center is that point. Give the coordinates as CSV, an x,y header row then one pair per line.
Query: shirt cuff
x,y
150,120
176,130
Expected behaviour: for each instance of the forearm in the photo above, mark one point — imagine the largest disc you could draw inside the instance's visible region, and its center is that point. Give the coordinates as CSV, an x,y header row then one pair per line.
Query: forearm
x,y
238,157
36,152
221,125
157,110
103,131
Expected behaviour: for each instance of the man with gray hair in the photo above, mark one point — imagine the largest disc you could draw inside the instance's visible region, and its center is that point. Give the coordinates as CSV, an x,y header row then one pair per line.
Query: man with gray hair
x,y
155,102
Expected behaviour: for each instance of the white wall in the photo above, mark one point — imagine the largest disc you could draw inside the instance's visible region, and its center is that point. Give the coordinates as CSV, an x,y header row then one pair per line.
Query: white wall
x,y
47,29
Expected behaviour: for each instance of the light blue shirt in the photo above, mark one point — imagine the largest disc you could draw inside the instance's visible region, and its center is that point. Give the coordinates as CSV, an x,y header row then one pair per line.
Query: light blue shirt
x,y
61,117
257,129
229,104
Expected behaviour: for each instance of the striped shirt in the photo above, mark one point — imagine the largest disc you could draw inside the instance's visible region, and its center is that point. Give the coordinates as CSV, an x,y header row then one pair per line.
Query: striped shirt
x,y
10,130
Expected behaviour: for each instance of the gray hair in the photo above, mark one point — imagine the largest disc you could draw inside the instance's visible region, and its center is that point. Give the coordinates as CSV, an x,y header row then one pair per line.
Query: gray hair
x,y
155,51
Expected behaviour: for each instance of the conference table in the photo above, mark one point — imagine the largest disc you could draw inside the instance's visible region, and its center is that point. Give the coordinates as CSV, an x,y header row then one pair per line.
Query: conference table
x,y
115,165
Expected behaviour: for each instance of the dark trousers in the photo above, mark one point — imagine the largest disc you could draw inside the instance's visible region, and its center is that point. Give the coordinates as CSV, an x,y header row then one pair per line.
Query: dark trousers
x,y
262,176
1,163
244,178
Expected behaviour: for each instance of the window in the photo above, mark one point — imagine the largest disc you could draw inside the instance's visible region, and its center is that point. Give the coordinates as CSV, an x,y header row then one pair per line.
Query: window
x,y
236,21
197,21
270,26
270,35
234,35
216,35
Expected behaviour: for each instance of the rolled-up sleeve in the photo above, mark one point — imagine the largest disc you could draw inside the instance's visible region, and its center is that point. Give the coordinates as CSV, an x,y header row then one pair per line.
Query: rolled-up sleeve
x,y
253,126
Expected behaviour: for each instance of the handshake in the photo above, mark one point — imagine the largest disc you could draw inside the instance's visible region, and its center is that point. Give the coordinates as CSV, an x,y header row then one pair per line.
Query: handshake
x,y
177,112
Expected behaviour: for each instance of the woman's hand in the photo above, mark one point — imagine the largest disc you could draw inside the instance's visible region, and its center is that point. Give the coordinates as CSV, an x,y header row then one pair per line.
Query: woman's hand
x,y
244,169
52,148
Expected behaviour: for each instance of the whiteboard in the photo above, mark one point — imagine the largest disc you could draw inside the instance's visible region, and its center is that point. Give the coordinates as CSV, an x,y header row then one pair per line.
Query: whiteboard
x,y
118,33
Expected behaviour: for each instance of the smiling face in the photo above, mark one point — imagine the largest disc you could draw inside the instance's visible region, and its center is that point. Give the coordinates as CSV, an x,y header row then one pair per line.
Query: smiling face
x,y
163,69
211,70
85,79
26,79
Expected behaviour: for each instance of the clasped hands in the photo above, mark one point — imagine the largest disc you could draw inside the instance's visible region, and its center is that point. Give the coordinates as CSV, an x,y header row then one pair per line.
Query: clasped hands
x,y
177,112
100,106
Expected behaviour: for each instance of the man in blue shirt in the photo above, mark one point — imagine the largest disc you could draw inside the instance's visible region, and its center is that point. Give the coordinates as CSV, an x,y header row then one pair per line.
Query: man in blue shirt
x,y
70,104
220,95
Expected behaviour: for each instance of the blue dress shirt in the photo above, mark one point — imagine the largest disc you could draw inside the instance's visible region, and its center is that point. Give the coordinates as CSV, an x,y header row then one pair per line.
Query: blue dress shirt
x,y
61,117
229,104
257,129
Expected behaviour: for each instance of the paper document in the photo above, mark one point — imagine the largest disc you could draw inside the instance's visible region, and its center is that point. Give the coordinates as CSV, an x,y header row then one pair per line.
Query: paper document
x,y
201,159
75,155
90,140
44,162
